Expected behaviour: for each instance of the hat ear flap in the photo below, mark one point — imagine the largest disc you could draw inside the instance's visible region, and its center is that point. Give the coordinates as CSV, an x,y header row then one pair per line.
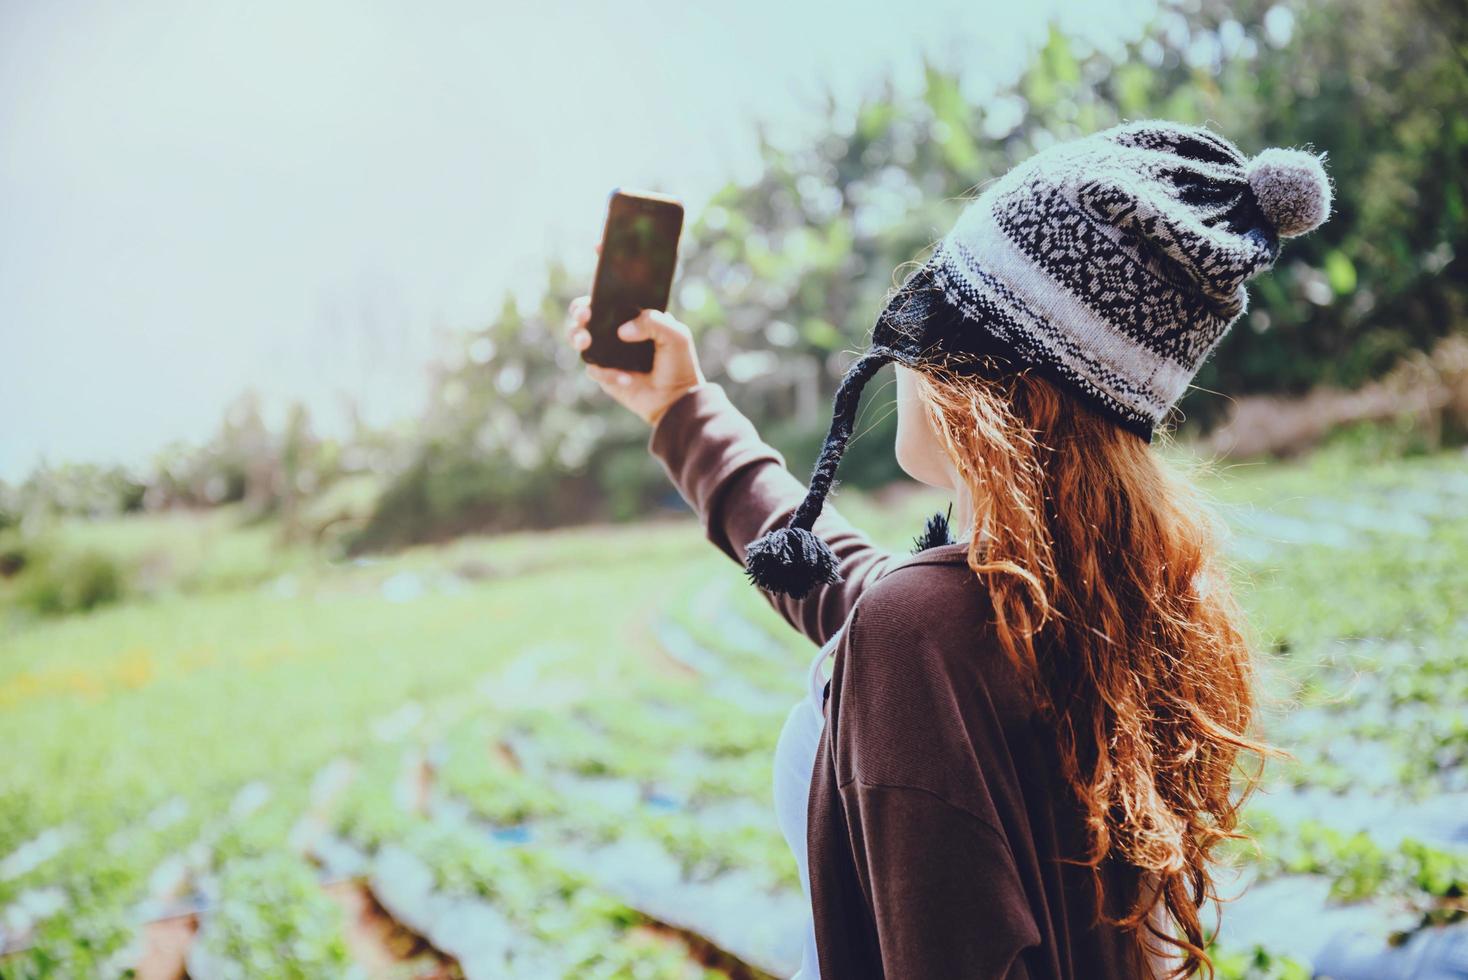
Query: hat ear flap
x,y
793,560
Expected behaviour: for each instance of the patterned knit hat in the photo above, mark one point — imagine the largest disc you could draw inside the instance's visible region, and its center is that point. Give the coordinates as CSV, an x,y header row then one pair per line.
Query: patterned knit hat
x,y
1113,265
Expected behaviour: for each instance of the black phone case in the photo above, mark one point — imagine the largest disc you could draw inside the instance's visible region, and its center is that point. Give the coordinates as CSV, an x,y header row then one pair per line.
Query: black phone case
x,y
609,350
606,348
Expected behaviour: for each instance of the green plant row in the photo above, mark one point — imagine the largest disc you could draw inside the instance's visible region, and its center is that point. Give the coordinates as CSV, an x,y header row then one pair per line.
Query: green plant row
x,y
555,909
502,797
272,920
102,875
1430,882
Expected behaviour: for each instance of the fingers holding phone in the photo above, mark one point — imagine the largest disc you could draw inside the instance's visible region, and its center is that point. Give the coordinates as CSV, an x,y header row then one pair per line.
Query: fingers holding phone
x,y
639,354
675,367
634,272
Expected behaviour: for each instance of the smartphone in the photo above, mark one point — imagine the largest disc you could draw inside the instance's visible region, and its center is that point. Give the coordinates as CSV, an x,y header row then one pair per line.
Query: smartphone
x,y
639,248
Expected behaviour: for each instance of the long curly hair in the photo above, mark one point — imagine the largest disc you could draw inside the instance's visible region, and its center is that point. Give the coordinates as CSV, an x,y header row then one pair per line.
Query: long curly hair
x,y
1109,594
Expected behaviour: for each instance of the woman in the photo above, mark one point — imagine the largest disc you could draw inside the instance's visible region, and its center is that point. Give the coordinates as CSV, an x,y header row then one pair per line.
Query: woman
x,y
1026,750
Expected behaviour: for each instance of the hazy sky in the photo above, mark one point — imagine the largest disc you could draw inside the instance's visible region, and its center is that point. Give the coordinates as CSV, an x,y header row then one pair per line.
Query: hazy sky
x,y
199,198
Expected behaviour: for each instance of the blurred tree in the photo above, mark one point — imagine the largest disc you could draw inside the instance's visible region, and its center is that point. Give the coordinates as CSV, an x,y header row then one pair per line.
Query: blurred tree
x,y
1380,86
297,475
781,278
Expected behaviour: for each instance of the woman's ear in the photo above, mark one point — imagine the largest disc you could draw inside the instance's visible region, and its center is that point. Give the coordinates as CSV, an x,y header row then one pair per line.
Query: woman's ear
x,y
920,452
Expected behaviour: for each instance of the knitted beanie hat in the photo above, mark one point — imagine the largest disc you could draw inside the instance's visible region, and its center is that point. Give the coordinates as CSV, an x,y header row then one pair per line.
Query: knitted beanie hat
x,y
1113,265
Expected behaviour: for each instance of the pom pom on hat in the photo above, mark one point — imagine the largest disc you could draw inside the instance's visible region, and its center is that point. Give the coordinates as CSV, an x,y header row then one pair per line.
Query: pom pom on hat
x,y
790,561
1292,190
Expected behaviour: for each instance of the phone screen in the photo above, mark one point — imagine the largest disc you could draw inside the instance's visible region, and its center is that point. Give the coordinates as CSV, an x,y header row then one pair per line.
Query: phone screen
x,y
638,253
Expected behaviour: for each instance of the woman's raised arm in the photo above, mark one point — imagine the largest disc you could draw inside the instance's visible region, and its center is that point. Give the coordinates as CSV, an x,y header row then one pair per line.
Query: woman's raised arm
x,y
736,483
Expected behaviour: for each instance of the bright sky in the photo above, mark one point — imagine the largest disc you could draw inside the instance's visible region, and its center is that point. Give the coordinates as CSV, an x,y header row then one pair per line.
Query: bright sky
x,y
302,198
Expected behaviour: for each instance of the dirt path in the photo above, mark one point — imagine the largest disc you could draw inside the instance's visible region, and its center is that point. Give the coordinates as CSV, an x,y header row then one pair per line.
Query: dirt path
x,y
166,945
700,950
382,946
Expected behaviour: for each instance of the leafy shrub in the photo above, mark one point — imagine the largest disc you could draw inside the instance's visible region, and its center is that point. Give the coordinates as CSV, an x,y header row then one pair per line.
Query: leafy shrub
x,y
448,489
12,560
1256,964
59,583
1379,442
453,487
273,921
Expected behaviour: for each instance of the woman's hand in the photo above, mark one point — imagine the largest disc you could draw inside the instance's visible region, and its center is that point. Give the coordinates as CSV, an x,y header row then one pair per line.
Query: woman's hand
x,y
674,365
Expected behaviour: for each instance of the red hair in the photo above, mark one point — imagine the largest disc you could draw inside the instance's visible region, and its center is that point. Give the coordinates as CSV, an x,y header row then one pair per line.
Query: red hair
x,y
1108,593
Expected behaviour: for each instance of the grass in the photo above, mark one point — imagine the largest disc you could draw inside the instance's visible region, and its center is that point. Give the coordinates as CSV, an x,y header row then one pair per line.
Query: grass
x,y
191,689
235,658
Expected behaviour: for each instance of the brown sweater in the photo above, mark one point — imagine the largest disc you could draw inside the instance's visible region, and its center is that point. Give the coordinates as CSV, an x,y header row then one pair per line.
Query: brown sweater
x,y
938,823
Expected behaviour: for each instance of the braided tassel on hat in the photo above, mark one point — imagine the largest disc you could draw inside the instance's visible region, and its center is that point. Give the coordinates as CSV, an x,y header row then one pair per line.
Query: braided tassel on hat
x,y
793,560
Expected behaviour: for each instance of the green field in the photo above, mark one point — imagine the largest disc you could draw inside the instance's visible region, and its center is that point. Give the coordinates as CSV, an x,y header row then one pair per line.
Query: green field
x,y
548,755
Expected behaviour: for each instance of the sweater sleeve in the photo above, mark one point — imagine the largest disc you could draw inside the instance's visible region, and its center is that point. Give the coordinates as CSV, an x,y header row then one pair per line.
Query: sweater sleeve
x,y
741,490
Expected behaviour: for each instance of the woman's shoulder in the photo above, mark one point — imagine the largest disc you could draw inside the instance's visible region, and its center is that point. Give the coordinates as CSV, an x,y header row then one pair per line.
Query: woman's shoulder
x,y
923,695
924,631
930,592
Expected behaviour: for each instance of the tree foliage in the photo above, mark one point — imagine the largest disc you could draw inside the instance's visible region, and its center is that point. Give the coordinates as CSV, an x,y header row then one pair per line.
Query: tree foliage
x,y
781,278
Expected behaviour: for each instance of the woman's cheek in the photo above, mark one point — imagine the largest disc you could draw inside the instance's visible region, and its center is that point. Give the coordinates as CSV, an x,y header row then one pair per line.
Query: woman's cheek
x,y
919,454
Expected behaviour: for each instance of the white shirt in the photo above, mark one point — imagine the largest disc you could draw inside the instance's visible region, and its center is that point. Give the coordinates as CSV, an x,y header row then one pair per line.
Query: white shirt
x,y
795,758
